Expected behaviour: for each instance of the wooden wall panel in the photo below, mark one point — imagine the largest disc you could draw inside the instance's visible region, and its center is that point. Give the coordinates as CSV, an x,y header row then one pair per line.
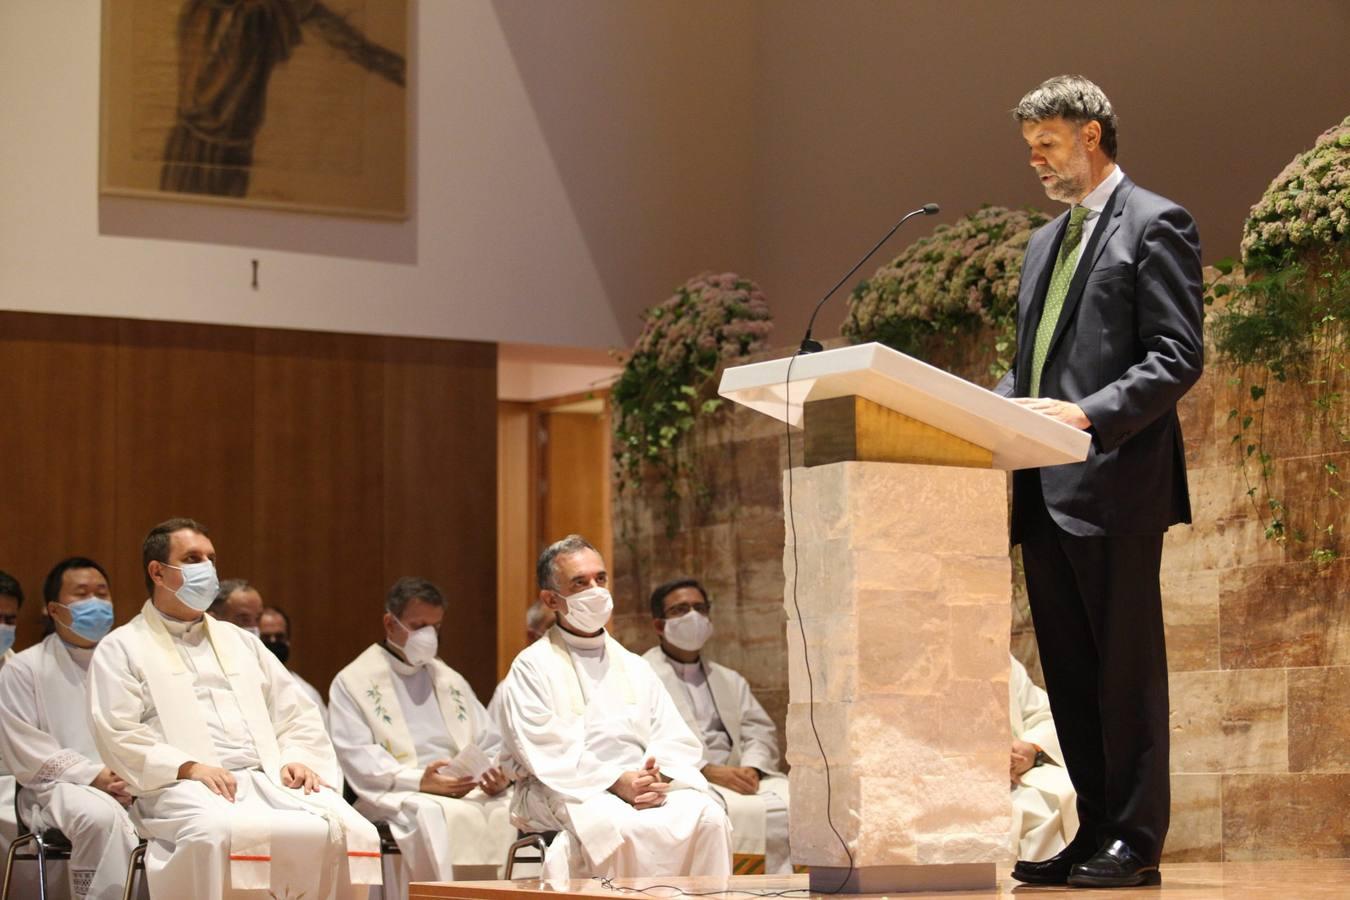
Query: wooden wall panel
x,y
577,475
324,465
317,535
57,443
440,498
517,502
184,401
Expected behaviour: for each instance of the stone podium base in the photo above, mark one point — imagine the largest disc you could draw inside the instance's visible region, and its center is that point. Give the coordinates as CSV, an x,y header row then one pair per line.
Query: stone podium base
x,y
900,879
904,589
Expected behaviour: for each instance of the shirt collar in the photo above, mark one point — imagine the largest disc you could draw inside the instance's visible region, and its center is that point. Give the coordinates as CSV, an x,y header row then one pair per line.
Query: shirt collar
x,y
177,627
579,642
1095,201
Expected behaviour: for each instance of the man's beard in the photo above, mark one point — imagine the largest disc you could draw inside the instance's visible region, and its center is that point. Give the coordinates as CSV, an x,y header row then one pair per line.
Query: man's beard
x,y
1070,185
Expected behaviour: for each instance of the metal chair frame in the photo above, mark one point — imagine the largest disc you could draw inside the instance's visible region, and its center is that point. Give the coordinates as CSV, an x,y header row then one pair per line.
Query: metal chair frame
x,y
537,840
49,844
136,863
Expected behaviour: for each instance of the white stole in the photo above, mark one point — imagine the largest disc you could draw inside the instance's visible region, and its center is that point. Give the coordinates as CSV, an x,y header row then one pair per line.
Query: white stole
x,y
597,834
64,687
369,680
725,698
171,685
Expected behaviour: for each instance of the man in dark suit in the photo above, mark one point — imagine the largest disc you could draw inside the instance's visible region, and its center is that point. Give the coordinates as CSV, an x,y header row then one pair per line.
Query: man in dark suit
x,y
1109,338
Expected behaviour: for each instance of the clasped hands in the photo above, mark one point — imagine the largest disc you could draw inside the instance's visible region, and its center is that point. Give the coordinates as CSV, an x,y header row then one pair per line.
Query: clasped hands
x,y
493,782
645,788
109,783
223,783
1022,760
1059,410
741,779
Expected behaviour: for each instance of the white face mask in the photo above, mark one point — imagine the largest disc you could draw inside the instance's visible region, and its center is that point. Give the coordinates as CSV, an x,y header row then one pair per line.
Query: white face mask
x,y
689,631
255,631
588,610
421,645
6,638
200,584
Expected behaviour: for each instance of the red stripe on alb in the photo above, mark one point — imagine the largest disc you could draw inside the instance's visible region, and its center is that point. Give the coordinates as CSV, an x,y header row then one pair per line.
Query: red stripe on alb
x,y
370,853
242,858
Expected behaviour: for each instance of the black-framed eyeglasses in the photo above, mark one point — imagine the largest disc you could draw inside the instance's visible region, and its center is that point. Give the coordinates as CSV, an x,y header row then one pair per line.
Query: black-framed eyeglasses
x,y
680,609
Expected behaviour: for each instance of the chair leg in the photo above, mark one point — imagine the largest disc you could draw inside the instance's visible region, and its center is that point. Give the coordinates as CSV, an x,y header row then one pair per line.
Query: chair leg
x,y
136,863
42,866
532,840
14,846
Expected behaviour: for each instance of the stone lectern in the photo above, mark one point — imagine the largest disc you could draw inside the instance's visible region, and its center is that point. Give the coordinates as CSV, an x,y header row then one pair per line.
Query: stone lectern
x,y
903,583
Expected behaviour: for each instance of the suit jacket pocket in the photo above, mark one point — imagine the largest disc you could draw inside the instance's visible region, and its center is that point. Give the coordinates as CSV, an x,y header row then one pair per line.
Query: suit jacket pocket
x,y
1111,273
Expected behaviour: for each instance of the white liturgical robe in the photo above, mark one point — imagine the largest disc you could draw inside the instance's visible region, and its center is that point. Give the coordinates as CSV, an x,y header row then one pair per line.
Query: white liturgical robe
x,y
576,713
1045,806
45,739
718,705
164,693
9,828
389,721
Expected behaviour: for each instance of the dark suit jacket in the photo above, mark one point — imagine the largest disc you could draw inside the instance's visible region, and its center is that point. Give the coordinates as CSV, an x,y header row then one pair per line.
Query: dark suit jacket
x,y
1127,346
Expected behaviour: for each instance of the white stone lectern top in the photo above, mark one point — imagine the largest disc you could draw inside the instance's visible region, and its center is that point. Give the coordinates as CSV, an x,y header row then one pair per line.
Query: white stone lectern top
x,y
1018,437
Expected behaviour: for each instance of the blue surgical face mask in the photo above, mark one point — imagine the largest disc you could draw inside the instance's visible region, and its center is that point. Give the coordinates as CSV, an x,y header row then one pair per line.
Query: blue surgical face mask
x,y
91,619
6,638
200,584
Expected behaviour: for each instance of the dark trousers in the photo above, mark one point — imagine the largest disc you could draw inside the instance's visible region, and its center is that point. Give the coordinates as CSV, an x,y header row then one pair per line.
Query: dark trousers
x,y
1097,609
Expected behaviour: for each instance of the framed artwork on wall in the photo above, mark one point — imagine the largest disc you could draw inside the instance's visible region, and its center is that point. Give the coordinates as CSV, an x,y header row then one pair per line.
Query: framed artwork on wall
x,y
282,104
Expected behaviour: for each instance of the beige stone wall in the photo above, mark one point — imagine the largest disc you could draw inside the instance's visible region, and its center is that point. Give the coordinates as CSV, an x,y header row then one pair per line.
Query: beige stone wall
x,y
1258,641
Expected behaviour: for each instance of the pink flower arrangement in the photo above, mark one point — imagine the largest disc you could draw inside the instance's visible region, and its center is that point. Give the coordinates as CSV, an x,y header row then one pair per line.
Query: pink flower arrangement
x,y
708,320
962,277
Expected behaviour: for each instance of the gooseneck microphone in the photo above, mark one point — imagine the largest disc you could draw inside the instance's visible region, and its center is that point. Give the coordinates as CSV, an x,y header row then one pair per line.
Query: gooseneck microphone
x,y
811,346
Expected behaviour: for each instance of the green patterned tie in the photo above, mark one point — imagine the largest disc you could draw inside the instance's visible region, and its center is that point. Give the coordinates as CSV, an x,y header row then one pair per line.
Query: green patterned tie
x,y
1055,294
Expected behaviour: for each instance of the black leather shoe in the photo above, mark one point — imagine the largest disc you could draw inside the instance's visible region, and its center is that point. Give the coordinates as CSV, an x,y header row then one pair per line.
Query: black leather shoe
x,y
1115,865
1054,870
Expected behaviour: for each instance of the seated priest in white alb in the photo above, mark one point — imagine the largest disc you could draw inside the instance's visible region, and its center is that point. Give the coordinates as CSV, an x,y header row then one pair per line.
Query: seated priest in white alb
x,y
45,739
11,599
239,603
601,754
229,762
401,717
740,743
1045,806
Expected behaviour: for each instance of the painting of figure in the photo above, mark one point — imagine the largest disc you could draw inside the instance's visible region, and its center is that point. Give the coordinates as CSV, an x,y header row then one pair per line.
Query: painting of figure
x,y
279,103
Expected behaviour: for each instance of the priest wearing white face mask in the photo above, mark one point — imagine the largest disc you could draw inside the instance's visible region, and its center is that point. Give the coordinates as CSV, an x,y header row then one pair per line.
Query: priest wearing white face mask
x,y
45,737
602,754
229,762
400,716
740,742
239,603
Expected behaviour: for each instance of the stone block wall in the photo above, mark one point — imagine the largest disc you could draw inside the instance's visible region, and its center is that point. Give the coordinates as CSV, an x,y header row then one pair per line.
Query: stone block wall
x,y
1258,638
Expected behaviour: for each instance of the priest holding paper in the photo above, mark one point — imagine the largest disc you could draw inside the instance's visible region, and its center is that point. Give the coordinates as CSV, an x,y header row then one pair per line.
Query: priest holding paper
x,y
229,762
604,757
740,742
45,739
419,749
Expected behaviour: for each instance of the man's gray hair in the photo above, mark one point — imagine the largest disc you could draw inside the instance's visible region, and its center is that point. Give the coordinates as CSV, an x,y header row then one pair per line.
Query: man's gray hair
x,y
1070,97
410,588
535,616
545,572
227,587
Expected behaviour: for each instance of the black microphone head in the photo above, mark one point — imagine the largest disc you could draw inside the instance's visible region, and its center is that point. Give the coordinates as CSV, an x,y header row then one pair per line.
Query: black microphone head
x,y
931,209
